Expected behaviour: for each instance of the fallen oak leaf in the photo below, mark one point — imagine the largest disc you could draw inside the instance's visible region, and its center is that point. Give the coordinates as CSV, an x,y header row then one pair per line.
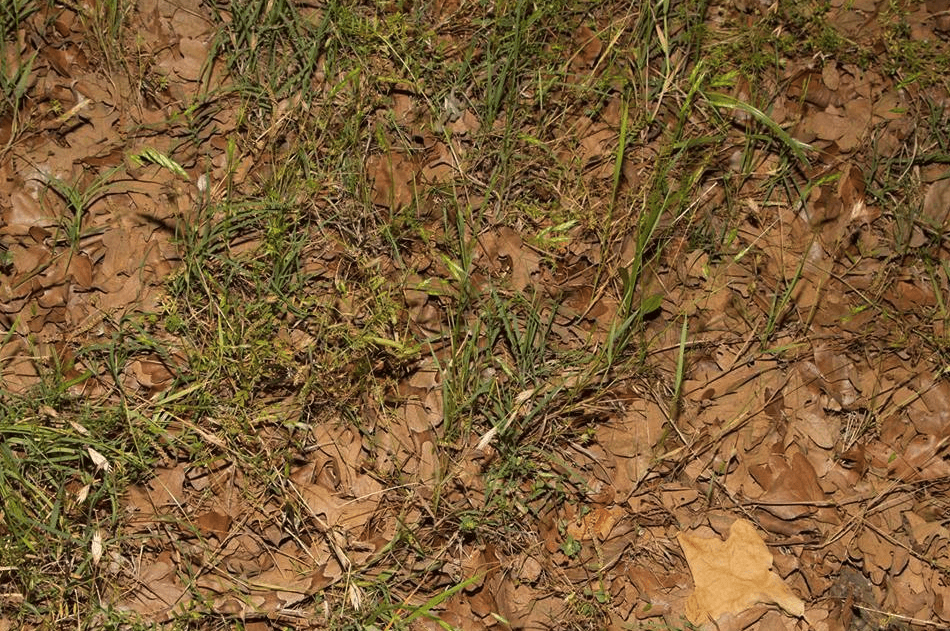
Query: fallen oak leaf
x,y
733,575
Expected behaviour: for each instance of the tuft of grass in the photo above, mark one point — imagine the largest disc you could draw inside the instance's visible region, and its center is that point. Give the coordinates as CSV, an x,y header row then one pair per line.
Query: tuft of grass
x,y
12,15
64,464
16,68
79,197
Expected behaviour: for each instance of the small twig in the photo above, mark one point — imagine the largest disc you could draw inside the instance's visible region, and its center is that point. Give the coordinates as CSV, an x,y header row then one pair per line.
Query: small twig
x,y
897,616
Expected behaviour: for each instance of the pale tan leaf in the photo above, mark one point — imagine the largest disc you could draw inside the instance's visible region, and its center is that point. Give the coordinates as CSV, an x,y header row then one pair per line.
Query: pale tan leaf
x,y
733,575
96,547
99,460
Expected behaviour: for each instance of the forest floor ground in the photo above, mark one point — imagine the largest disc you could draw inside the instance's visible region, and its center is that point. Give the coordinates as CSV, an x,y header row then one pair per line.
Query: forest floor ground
x,y
468,315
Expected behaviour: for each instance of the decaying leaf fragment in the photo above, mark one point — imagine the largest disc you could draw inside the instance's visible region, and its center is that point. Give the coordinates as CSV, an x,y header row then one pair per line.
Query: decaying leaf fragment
x,y
733,575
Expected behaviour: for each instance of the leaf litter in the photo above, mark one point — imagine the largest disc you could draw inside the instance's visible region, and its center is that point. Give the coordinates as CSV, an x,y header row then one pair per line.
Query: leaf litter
x,y
813,422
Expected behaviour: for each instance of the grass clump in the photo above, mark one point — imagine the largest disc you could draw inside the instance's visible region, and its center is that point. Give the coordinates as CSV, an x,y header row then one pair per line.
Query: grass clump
x,y
64,465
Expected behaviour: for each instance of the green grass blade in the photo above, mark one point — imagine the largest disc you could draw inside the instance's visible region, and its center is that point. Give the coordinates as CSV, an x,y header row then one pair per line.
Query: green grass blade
x,y
426,608
725,101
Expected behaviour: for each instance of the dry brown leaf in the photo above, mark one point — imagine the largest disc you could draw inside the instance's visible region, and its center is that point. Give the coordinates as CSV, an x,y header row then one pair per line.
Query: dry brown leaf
x,y
213,523
525,607
392,178
159,589
25,212
937,204
506,243
733,575
589,46
529,570
792,484
468,122
193,53
597,523
167,488
418,419
440,166
924,532
81,269
632,440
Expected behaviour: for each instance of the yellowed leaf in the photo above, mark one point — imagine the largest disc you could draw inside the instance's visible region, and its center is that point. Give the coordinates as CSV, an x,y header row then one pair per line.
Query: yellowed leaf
x,y
733,575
